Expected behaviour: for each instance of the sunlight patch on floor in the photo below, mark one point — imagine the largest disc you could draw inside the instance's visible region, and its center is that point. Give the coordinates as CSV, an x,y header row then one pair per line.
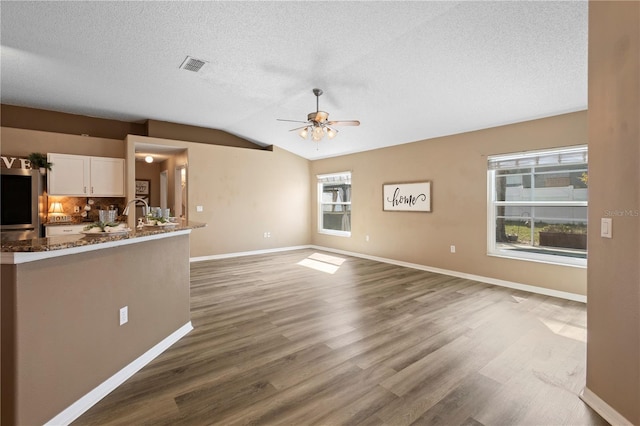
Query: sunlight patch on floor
x,y
566,330
327,259
322,263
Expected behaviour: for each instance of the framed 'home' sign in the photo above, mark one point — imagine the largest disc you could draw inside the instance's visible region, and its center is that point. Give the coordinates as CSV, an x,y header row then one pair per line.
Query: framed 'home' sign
x,y
407,197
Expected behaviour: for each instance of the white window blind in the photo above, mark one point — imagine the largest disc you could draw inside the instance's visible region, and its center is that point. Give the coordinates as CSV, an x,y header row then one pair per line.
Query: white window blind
x,y
561,157
335,177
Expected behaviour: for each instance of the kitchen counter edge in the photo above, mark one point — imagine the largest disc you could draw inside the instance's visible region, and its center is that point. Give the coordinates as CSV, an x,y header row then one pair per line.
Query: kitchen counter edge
x,y
15,252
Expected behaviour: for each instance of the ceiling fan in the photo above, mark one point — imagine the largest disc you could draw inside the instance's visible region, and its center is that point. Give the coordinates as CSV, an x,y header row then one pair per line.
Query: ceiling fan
x,y
317,123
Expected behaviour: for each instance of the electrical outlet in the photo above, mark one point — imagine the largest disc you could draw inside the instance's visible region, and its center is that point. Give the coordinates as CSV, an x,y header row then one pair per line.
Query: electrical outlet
x,y
366,238
199,208
124,315
453,249
76,209
267,234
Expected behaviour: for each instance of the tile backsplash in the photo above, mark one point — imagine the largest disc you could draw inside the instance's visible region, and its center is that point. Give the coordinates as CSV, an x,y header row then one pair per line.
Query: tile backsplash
x,y
70,204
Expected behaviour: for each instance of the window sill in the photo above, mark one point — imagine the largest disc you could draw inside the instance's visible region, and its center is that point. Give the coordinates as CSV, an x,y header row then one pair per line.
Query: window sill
x,y
540,258
335,233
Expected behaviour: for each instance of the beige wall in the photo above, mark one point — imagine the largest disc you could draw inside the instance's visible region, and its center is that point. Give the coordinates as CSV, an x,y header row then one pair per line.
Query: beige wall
x,y
64,312
244,193
457,167
613,311
23,142
183,132
58,122
7,356
72,124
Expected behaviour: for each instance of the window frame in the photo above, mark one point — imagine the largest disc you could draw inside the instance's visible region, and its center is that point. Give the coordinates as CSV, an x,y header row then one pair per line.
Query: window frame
x,y
492,204
321,181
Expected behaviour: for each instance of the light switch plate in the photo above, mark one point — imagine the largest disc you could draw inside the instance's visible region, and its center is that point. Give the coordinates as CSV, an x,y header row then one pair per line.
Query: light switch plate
x,y
124,315
199,208
606,225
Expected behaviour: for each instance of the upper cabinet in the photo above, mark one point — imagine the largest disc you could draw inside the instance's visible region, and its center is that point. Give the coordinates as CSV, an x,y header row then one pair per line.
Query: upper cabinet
x,y
107,177
79,175
69,175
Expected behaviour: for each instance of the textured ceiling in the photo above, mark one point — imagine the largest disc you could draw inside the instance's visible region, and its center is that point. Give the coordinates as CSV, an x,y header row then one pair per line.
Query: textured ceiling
x,y
407,70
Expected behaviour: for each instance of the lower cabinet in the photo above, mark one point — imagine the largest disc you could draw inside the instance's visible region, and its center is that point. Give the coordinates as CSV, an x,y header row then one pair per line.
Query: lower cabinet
x,y
51,231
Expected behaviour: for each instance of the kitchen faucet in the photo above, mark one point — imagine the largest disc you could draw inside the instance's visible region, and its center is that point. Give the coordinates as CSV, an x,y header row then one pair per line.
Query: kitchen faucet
x,y
126,209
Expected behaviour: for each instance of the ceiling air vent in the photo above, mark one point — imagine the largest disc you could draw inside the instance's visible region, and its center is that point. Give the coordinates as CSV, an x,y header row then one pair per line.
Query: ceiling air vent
x,y
192,64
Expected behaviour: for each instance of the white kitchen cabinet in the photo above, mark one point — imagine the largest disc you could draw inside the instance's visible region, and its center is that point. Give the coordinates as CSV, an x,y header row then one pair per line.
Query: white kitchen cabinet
x,y
79,175
51,231
69,175
107,177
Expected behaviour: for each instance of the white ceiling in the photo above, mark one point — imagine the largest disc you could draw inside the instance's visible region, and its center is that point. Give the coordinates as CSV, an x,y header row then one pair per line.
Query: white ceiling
x,y
407,70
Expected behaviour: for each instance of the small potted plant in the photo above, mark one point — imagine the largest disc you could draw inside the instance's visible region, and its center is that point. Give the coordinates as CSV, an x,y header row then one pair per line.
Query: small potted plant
x,y
39,160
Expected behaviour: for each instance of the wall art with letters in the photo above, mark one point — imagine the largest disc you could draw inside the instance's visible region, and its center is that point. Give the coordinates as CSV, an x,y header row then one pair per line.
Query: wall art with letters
x,y
407,197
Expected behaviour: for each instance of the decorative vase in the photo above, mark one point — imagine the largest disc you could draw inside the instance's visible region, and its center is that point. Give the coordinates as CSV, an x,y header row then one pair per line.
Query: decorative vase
x,y
43,171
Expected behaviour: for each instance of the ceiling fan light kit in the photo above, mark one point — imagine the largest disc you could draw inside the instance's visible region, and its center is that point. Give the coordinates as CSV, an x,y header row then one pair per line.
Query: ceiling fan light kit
x,y
317,133
317,123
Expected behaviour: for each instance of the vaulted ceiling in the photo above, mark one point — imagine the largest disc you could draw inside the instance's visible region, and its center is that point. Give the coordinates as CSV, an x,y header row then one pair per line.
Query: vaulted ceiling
x,y
407,70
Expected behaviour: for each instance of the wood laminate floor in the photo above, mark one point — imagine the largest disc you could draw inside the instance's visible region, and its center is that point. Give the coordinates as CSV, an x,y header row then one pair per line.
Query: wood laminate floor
x,y
303,337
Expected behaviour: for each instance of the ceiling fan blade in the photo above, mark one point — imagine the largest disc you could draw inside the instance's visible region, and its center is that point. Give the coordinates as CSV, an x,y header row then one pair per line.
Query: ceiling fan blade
x,y
344,123
293,121
298,128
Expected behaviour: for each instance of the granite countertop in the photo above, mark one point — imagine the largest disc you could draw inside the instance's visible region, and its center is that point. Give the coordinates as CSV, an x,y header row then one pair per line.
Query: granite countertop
x,y
84,222
69,241
80,221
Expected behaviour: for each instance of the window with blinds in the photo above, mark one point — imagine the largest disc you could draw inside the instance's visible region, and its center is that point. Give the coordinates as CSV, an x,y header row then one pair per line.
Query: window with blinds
x,y
334,204
538,205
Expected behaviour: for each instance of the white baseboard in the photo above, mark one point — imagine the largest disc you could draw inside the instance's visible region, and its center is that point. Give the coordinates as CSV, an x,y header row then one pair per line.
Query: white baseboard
x,y
605,410
76,409
246,253
488,280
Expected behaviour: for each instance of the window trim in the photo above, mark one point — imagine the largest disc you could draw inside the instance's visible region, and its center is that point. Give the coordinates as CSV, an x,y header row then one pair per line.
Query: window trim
x,y
492,248
321,180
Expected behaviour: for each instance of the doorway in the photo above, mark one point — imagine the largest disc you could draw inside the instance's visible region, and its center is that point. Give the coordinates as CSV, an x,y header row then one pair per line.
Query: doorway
x,y
180,191
164,178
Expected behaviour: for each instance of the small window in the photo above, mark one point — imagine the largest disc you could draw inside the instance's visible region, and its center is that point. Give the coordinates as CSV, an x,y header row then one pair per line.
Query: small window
x,y
538,205
334,204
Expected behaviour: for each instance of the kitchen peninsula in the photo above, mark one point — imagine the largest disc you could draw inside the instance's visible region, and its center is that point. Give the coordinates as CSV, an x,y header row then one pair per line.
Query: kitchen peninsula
x,y
81,314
